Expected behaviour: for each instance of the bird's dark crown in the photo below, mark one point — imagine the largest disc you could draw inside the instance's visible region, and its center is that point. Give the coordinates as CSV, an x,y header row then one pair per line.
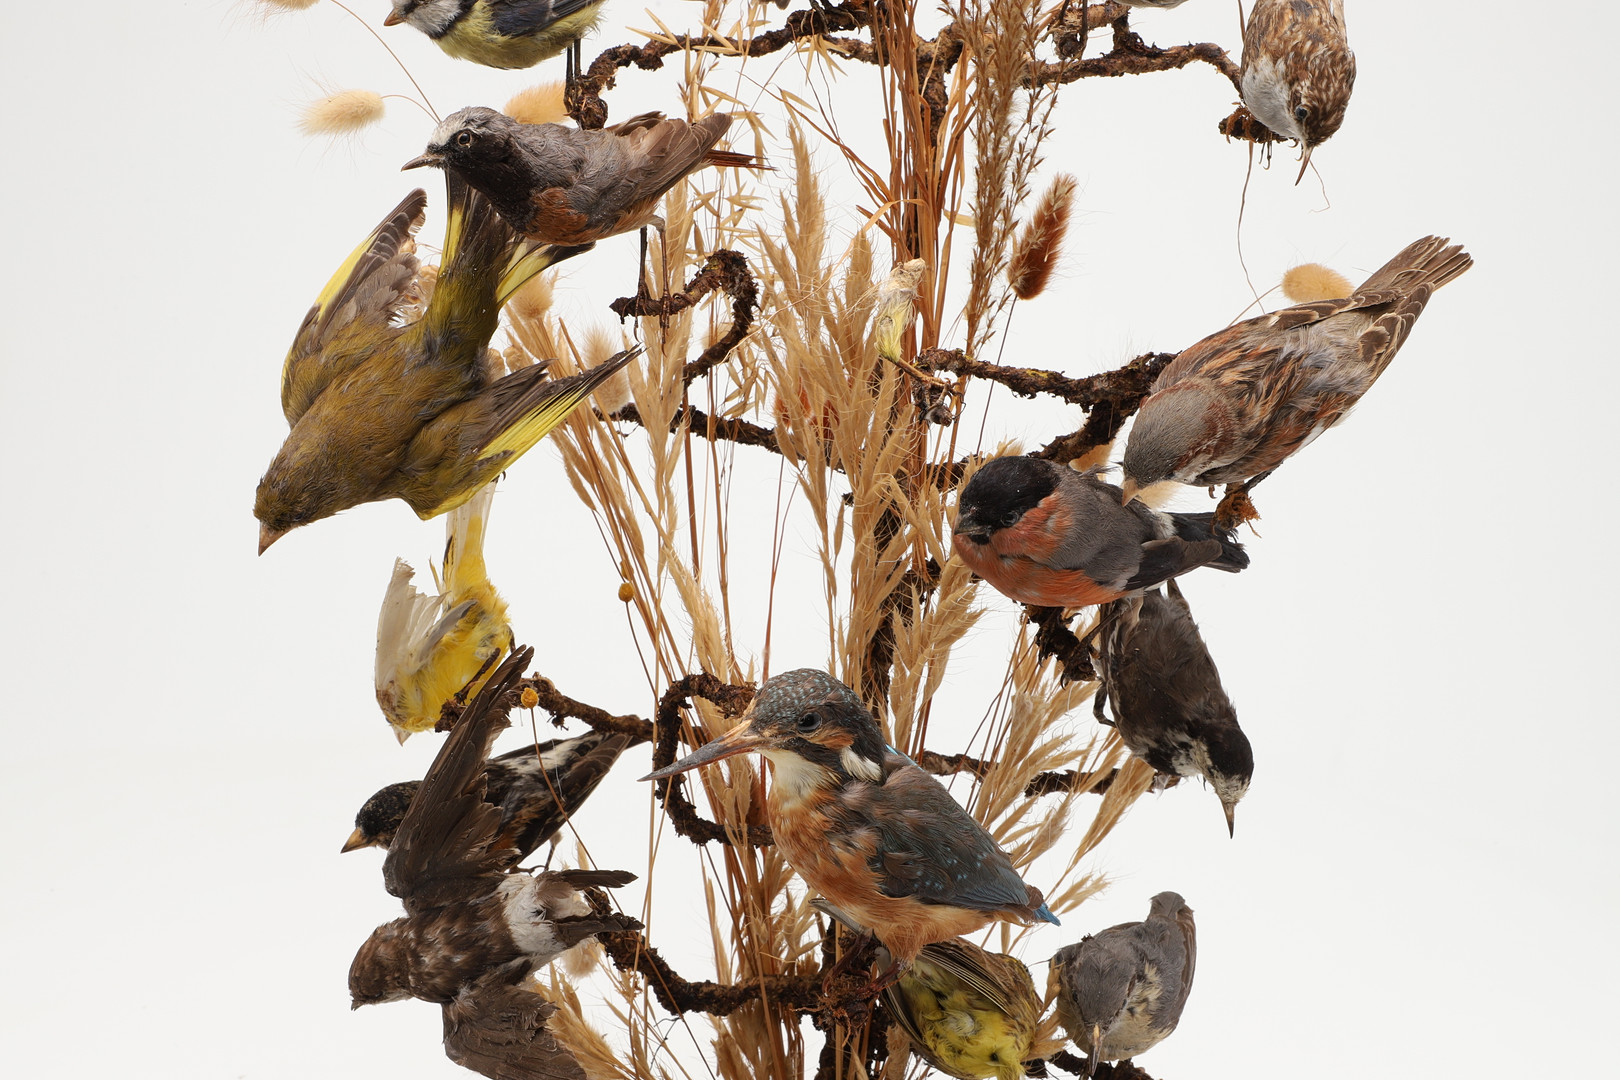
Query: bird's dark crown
x,y
379,818
1002,492
1230,754
811,714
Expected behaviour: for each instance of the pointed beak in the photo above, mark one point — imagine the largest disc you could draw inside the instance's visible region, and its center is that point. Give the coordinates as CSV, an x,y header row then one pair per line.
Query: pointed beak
x,y
392,19
429,158
356,841
268,536
969,526
741,739
1231,826
1096,1046
1304,164
400,733
1128,491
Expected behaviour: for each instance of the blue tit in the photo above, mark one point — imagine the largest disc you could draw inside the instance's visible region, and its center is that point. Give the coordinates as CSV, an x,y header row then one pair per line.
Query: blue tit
x,y
499,33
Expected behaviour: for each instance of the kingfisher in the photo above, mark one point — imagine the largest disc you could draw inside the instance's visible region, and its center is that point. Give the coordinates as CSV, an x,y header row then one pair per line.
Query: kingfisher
x,y
865,826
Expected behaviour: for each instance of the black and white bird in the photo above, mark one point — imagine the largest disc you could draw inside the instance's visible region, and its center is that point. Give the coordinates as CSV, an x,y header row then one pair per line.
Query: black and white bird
x,y
1169,706
536,788
1120,992
474,928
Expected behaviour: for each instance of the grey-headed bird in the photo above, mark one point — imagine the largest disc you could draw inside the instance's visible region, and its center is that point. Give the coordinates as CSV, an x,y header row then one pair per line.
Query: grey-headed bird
x,y
1120,992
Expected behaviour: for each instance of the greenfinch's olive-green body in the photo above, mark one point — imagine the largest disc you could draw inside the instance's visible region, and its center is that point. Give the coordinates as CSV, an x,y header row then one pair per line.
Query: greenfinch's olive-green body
x,y
381,410
499,33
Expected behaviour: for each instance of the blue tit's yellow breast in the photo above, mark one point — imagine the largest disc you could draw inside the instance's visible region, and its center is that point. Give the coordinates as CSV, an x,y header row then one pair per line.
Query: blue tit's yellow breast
x,y
475,38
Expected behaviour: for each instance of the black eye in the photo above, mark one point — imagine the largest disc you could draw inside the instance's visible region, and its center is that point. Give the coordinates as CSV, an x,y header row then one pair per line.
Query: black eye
x,y
464,138
1010,518
808,722
1300,113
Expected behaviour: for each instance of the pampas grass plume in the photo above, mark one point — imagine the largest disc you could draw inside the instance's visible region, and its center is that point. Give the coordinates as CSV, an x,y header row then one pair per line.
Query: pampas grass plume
x,y
542,104
1313,281
342,113
1036,251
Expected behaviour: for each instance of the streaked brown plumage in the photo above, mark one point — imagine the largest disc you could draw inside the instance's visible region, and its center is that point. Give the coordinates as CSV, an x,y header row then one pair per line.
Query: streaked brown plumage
x,y
558,184
1239,402
1298,70
536,788
474,928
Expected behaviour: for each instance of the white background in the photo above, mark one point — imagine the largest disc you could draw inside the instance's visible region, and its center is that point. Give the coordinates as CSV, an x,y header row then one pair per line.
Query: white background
x,y
1424,875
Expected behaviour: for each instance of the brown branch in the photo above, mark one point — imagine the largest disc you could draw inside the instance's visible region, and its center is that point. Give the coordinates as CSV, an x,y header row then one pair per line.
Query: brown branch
x,y
1042,783
1106,1070
1130,55
723,270
630,951
558,704
720,428
1054,639
1117,394
683,814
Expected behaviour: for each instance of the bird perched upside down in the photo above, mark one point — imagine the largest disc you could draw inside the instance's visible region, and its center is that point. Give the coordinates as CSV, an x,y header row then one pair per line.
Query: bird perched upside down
x,y
1043,533
1235,405
474,928
1169,707
499,33
1120,992
536,788
864,825
969,1013
1298,70
558,184
414,412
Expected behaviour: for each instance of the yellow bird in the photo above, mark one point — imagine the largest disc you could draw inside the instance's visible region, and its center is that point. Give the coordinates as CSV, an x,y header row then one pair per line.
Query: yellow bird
x,y
384,408
969,1013
434,649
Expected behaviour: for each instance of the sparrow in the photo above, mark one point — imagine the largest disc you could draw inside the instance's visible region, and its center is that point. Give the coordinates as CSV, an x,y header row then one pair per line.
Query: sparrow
x,y
968,1012
537,789
865,826
1235,405
414,411
1169,707
474,928
563,185
1043,533
499,33
1297,69
1121,991
432,650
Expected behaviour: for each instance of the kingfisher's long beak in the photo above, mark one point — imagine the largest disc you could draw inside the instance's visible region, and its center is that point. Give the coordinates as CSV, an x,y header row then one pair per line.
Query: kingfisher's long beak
x,y
1304,164
268,536
429,158
1128,491
741,739
356,840
1231,826
392,19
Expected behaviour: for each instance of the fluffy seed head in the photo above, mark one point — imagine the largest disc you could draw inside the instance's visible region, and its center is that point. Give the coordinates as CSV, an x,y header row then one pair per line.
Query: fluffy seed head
x,y
1313,281
542,104
286,5
342,113
1036,252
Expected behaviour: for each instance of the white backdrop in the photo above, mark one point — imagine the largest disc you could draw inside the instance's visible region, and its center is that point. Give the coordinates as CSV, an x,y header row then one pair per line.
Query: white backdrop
x,y
1419,652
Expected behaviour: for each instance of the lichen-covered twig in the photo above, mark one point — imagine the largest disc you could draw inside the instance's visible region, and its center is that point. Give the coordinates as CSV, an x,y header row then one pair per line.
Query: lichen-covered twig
x,y
724,270
732,699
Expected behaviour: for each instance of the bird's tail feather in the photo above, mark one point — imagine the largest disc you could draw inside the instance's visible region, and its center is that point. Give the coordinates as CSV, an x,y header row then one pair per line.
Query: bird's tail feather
x,y
1432,261
464,543
527,260
1201,527
537,408
474,261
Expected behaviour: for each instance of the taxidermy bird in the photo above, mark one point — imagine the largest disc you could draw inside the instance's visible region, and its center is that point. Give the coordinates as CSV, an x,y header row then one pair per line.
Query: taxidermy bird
x,y
475,928
381,410
499,33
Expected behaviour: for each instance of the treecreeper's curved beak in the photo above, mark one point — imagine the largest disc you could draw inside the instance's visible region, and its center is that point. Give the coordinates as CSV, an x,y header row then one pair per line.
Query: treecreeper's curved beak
x,y
417,162
741,739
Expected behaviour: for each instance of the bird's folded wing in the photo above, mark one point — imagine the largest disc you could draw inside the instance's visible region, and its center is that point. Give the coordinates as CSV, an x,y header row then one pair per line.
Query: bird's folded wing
x,y
500,1031
515,18
448,834
373,283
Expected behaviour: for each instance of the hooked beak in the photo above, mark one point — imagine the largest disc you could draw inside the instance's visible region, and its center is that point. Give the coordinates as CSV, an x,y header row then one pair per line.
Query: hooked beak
x,y
429,158
739,740
969,526
1304,164
268,536
1231,826
1096,1050
355,842
1128,491
392,19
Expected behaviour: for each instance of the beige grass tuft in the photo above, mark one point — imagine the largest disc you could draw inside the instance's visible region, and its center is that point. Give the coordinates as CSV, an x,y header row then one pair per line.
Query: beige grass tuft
x,y
1312,281
542,104
1036,251
342,113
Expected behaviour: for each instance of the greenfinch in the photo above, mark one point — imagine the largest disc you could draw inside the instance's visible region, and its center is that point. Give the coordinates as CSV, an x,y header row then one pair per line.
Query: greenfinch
x,y
435,649
385,408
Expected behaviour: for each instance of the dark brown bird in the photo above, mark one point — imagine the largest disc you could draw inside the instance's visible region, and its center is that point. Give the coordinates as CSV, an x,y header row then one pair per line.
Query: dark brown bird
x,y
1169,707
537,790
564,185
474,927
1043,533
1238,403
1120,992
1298,69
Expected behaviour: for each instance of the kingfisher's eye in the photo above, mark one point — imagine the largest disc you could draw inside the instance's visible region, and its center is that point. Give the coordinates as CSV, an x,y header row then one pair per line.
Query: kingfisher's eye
x,y
1300,113
464,138
808,722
